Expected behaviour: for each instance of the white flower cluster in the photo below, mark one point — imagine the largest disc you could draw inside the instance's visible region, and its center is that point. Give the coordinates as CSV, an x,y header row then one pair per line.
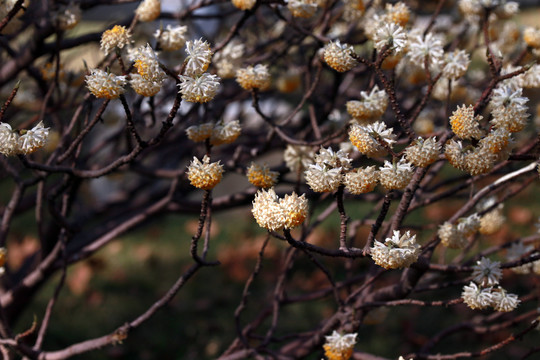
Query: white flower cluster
x,y
480,297
428,48
149,77
172,38
396,252
369,139
326,174
370,107
492,221
23,141
298,157
390,36
197,85
229,59
423,152
395,175
274,213
105,85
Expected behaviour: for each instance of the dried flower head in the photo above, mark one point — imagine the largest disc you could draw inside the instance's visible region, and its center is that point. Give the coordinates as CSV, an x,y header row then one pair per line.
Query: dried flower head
x,y
339,347
200,89
397,252
172,38
423,152
105,85
261,176
465,124
117,37
395,175
361,180
486,272
456,64
199,57
148,10
390,36
256,77
204,175
339,56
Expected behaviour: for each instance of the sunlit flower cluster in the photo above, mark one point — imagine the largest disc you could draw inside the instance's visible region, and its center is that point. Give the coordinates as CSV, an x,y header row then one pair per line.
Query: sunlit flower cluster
x,y
370,107
298,157
171,38
229,59
148,10
117,37
274,213
326,174
254,77
149,77
396,252
395,175
339,56
423,152
105,85
455,236
204,175
371,139
219,133
261,176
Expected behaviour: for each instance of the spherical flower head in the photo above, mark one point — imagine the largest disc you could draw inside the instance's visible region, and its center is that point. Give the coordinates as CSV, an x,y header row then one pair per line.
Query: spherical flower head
x,y
200,89
423,152
199,57
395,175
456,64
117,37
229,59
33,139
105,85
144,87
204,175
479,161
368,139
476,297
339,347
298,157
261,176
339,56
8,140
273,213
455,154
426,48
469,226
451,236
504,301
465,124
68,16
322,178
148,10
198,133
390,36
509,96
397,252
531,36
302,8
296,210
398,13
172,38
256,77
147,64
486,272
244,4
496,141
372,105
339,159
509,109
361,180
225,133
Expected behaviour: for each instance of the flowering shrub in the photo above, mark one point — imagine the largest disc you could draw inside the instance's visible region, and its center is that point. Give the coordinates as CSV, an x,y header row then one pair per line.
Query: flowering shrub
x,y
409,128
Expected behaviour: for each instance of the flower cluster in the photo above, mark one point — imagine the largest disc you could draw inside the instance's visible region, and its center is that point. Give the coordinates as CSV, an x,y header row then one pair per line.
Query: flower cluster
x,y
423,152
172,38
274,213
455,236
298,157
149,77
395,175
339,56
117,37
261,176
370,107
105,85
219,133
396,252
204,175
326,174
256,77
22,141
338,346
148,10
492,221
369,139
229,59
